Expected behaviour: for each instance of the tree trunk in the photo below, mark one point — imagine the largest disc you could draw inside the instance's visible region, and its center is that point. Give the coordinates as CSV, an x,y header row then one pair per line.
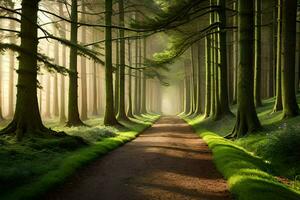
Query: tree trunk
x,y
117,77
94,88
62,112
129,109
224,100
73,112
144,86
278,102
27,119
109,117
198,79
208,77
235,54
247,120
1,94
121,110
48,96
55,83
84,115
290,106
187,102
12,62
136,112
257,73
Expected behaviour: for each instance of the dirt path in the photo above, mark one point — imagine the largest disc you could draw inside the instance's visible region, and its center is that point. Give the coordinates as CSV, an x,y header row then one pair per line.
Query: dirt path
x,y
168,161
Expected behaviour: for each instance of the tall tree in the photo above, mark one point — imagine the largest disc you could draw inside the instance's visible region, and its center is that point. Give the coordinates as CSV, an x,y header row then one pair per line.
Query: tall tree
x,y
73,112
144,82
62,112
247,120
129,109
278,102
290,106
27,119
1,86
257,73
109,117
223,67
12,62
208,77
55,82
121,110
83,67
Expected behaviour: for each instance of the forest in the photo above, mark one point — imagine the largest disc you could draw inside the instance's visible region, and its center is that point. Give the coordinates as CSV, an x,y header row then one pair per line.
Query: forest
x,y
150,99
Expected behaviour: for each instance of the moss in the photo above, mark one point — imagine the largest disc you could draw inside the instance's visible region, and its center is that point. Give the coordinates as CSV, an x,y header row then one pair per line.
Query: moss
x,y
252,164
30,168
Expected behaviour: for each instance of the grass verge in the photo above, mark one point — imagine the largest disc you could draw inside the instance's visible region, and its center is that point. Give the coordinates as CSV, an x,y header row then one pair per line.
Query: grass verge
x,y
261,166
30,168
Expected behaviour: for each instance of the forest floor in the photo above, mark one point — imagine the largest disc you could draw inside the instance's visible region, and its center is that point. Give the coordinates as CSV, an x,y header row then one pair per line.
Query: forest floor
x,y
167,161
31,167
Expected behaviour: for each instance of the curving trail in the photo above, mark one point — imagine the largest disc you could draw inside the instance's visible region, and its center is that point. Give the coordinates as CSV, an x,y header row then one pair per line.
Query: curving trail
x,y
168,162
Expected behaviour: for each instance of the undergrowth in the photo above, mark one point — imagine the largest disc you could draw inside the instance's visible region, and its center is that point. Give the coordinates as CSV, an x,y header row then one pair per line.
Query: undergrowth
x,y
33,166
263,165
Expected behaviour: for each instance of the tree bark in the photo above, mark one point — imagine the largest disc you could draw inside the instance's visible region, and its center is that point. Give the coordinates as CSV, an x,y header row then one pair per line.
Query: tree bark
x,y
62,112
290,106
144,86
278,102
83,78
117,77
129,109
257,73
208,77
109,117
12,62
73,112
121,110
27,119
224,100
187,87
247,120
55,83
1,92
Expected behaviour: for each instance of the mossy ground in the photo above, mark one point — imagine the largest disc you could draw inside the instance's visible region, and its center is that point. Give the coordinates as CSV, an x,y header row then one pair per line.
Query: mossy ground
x,y
261,166
31,167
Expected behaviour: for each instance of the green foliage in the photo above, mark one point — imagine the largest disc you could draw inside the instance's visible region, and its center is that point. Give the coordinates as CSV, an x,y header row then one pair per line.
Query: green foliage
x,y
30,168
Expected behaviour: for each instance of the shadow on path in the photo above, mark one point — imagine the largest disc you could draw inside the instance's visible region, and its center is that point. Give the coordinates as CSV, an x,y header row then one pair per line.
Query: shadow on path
x,y
167,161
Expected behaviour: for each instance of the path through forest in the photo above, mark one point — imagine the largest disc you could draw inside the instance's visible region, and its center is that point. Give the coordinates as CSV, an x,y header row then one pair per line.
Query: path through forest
x,y
167,161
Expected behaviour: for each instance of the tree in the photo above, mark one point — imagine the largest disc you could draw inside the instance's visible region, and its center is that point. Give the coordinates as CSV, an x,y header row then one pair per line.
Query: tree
x,y
278,102
55,83
208,77
1,92
129,109
12,62
83,67
144,82
62,114
73,112
121,111
247,120
257,73
109,117
290,106
27,119
223,67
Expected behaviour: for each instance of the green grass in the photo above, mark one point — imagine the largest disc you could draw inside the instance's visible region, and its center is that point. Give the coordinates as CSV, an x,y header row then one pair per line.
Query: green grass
x,y
253,164
30,168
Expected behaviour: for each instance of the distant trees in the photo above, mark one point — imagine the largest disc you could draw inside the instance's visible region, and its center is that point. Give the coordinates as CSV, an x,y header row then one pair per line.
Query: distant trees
x,y
224,61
